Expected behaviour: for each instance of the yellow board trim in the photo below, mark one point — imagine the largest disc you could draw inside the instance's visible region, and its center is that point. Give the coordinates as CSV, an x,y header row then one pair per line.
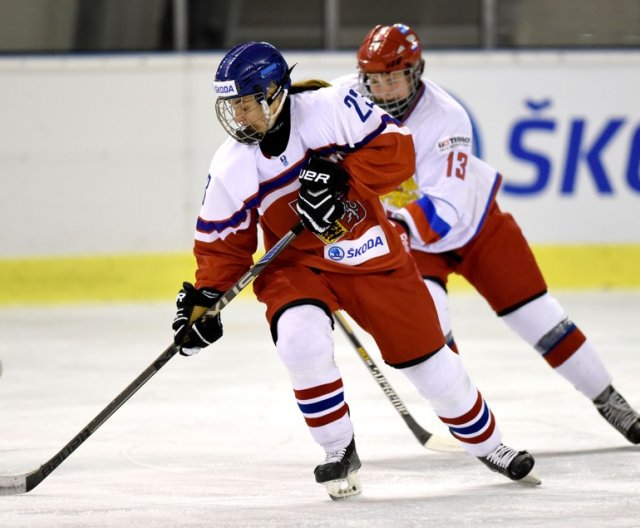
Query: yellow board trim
x,y
66,280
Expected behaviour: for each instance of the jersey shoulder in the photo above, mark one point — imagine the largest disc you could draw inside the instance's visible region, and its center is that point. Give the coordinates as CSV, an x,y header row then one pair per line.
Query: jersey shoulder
x,y
444,106
318,101
439,116
335,115
234,167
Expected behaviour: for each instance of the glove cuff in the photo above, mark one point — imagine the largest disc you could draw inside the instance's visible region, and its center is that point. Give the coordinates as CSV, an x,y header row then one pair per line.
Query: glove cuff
x,y
207,297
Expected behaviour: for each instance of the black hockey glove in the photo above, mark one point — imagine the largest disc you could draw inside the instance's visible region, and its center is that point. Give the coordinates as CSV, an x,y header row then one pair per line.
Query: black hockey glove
x,y
323,185
190,333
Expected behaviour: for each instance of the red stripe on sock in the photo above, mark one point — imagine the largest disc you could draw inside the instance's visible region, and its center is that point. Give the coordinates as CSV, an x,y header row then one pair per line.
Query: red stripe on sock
x,y
467,417
320,390
328,418
565,348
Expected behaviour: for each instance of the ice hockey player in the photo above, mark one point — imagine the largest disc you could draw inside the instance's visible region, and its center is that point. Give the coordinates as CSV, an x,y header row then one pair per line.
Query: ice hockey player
x,y
325,156
455,225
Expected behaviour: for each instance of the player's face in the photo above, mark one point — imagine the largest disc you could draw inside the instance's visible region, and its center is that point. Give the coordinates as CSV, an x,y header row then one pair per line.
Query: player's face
x,y
391,86
248,118
249,112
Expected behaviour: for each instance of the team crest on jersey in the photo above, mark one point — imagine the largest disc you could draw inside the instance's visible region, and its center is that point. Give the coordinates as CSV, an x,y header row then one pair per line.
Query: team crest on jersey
x,y
452,142
404,194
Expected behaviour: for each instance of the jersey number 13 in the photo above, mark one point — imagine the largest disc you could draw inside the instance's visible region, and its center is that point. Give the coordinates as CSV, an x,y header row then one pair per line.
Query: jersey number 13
x,y
457,164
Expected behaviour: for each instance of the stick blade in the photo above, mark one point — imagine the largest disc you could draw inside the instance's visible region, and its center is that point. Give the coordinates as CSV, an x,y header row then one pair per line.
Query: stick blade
x,y
13,484
443,444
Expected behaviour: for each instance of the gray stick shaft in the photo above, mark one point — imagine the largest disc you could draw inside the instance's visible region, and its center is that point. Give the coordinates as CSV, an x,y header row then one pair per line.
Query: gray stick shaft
x,y
419,432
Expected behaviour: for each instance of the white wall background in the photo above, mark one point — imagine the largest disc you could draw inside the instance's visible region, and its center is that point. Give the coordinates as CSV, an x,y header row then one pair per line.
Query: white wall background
x,y
109,154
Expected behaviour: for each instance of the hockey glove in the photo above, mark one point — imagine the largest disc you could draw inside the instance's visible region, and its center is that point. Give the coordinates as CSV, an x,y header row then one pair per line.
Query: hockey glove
x,y
190,333
323,185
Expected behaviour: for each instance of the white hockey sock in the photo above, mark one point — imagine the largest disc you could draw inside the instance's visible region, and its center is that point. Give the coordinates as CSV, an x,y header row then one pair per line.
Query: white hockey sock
x,y
544,325
335,435
441,302
534,320
443,381
305,346
586,371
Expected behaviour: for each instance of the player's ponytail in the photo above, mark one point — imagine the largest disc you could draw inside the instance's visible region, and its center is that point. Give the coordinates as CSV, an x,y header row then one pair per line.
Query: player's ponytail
x,y
307,85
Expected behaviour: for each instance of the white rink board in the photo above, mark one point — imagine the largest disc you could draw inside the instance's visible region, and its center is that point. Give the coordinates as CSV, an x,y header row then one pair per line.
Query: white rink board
x,y
109,154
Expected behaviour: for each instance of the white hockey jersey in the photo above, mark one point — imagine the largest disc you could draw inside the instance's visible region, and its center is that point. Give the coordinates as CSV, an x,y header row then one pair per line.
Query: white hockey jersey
x,y
447,200
246,187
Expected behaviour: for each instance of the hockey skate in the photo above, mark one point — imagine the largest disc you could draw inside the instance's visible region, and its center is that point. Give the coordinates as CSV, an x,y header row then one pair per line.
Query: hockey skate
x,y
516,465
339,473
614,408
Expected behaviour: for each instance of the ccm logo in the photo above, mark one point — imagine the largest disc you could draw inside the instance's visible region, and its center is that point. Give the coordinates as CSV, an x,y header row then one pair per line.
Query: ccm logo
x,y
314,176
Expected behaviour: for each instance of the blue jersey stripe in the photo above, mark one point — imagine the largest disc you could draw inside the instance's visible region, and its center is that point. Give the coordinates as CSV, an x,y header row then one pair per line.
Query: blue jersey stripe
x,y
386,119
492,195
284,179
207,226
438,225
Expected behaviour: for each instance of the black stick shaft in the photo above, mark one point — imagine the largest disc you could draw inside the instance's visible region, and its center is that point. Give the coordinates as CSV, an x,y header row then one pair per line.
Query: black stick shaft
x,y
36,477
10,485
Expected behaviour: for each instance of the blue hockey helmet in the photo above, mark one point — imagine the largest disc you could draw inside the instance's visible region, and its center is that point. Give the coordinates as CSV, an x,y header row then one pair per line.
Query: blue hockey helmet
x,y
250,75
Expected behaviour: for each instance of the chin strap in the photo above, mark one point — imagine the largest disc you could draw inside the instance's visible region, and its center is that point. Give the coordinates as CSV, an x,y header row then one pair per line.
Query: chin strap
x,y
282,90
274,116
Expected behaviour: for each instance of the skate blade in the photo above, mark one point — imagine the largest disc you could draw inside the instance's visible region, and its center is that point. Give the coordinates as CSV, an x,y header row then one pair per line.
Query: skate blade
x,y
344,488
530,480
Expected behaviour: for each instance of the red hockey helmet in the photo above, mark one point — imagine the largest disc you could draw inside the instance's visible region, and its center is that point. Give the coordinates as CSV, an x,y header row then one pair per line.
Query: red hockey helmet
x,y
388,49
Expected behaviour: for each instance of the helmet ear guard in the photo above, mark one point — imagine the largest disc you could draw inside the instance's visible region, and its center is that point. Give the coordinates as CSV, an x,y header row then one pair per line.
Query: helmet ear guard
x,y
283,86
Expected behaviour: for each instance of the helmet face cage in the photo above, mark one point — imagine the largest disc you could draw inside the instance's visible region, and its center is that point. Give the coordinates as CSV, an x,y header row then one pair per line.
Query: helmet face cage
x,y
390,57
241,117
249,78
395,82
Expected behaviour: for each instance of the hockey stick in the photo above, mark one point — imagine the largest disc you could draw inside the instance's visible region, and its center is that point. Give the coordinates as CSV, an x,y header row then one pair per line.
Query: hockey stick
x,y
15,484
426,439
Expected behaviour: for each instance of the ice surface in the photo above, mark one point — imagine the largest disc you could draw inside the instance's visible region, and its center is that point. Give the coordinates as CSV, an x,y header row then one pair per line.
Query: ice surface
x,y
216,440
